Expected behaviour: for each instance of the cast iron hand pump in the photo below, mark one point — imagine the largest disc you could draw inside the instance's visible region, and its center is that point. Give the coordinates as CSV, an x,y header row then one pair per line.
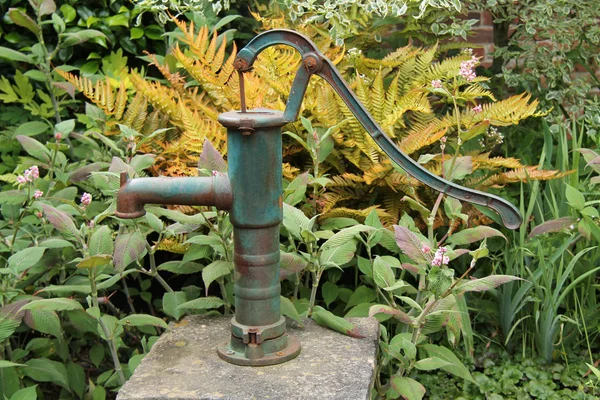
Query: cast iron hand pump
x,y
252,192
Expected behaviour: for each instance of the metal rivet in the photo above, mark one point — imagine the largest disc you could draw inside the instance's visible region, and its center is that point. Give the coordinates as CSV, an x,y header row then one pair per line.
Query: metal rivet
x,y
279,353
230,352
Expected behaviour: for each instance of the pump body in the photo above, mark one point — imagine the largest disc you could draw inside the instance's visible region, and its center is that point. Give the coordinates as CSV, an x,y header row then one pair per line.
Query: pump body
x,y
252,193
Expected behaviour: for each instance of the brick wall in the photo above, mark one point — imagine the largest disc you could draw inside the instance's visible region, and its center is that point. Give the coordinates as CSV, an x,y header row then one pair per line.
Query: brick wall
x,y
482,35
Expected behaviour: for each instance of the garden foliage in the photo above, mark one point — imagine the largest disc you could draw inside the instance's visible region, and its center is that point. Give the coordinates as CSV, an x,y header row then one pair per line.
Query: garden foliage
x,y
84,295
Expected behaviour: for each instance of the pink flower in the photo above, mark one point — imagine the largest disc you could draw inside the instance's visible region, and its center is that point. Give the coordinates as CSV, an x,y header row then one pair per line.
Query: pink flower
x,y
35,172
440,259
467,69
215,173
39,214
477,109
425,249
443,139
86,199
21,179
58,136
436,83
38,194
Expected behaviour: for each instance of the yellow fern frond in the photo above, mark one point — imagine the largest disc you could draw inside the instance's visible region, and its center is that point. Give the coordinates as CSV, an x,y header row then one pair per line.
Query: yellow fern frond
x,y
417,140
523,175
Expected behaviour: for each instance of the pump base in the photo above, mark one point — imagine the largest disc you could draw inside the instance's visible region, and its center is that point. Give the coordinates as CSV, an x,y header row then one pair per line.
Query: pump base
x,y
254,355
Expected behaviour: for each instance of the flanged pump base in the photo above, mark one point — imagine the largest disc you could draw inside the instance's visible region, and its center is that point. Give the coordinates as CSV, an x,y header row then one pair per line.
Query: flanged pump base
x,y
259,345
289,351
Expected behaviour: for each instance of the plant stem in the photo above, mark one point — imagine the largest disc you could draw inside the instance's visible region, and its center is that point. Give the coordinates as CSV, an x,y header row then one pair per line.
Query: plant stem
x,y
112,345
313,294
224,295
154,271
18,223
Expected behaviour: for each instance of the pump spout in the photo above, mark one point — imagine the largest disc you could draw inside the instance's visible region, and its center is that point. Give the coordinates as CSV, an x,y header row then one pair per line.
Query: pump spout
x,y
193,191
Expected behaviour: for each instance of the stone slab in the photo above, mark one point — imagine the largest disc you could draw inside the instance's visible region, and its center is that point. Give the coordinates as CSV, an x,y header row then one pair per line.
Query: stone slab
x,y
183,365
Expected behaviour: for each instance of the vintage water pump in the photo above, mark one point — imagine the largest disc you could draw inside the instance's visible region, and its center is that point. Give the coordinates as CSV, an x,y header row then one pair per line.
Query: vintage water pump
x,y
252,193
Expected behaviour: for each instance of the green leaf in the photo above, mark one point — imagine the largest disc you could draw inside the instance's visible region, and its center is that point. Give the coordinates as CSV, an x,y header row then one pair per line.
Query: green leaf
x,y
97,354
9,364
179,267
46,7
77,378
63,289
28,393
409,243
68,12
14,197
26,258
329,291
143,320
136,33
286,307
398,314
154,222
7,327
431,363
383,275
294,192
55,243
95,261
74,38
56,304
44,321
60,219
456,368
170,302
211,159
345,235
463,166
483,284
31,128
339,255
295,221
471,235
178,216
215,270
292,262
134,361
13,55
203,303
440,280
34,148
408,388
44,370
24,20
574,197
362,294
339,324
128,248
101,241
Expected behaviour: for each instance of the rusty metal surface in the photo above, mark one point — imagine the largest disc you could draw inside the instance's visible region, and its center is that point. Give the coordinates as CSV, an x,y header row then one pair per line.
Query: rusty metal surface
x,y
134,194
315,63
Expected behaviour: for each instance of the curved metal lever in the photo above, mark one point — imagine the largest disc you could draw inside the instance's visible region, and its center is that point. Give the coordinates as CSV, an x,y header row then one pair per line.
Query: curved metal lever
x,y
313,62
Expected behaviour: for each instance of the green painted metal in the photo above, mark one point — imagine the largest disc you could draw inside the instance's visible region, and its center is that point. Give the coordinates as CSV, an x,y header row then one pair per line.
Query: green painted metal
x,y
252,192
315,63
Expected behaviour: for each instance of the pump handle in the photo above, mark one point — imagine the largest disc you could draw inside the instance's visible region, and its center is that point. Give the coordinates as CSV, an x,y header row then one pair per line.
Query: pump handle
x,y
313,62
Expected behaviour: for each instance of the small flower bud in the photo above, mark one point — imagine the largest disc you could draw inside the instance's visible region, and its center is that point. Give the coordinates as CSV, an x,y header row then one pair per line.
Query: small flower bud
x,y
436,83
38,194
58,136
86,199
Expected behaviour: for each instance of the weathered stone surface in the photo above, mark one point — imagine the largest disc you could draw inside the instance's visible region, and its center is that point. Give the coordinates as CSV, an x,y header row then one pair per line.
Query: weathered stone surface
x,y
184,365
